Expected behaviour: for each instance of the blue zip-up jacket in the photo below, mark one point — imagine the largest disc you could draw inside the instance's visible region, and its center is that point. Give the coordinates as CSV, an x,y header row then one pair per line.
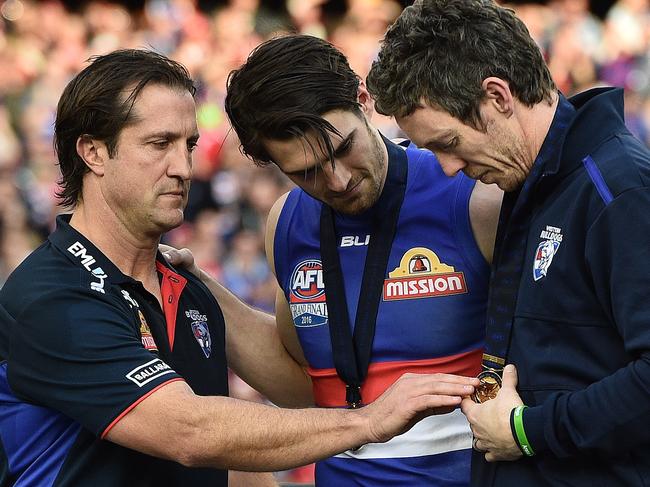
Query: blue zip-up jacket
x,y
581,330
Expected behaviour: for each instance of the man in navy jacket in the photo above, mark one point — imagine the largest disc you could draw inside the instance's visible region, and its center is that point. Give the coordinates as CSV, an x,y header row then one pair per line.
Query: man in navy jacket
x,y
570,283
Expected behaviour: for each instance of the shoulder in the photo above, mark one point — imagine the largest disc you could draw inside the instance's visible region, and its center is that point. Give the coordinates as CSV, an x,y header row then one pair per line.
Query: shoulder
x,y
271,228
46,278
620,164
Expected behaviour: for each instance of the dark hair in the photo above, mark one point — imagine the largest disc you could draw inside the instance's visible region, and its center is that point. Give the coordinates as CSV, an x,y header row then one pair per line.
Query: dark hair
x,y
98,102
440,51
282,90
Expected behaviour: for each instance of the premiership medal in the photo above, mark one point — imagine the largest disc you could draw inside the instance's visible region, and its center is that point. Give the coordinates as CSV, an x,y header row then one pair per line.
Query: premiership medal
x,y
488,388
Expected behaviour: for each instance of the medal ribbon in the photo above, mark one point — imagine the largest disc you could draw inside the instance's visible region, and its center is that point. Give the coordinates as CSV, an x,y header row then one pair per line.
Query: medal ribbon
x,y
352,352
511,243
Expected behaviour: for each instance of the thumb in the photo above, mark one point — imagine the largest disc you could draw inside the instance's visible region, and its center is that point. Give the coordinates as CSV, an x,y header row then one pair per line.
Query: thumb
x,y
509,377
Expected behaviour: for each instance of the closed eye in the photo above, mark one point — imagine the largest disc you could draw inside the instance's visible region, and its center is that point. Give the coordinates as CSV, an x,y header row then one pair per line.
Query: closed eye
x,y
161,144
345,147
440,146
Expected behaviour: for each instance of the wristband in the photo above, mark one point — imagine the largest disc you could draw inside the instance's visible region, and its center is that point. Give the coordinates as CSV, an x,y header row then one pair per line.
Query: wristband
x,y
517,427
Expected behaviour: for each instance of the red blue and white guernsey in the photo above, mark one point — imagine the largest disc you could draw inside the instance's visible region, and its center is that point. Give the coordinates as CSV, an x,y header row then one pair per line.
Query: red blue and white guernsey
x,y
431,318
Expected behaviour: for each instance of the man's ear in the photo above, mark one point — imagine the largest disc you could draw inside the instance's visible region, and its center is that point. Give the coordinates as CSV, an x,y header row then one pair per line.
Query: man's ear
x,y
365,100
93,152
498,94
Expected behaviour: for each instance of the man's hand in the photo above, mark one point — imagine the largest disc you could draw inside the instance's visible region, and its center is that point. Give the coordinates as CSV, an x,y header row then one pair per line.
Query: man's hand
x,y
180,258
413,397
490,421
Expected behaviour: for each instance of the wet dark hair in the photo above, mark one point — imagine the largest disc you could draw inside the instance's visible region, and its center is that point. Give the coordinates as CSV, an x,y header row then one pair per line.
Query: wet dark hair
x,y
284,88
440,51
98,102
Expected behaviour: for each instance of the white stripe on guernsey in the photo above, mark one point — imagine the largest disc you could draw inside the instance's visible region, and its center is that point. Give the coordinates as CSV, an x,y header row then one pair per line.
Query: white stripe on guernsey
x,y
431,436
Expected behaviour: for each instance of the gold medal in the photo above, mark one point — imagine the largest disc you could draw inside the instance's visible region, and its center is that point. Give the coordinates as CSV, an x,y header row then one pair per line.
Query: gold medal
x,y
488,388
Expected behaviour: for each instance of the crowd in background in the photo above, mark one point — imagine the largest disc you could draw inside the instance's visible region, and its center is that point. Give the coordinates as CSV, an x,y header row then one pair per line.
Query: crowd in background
x,y
42,45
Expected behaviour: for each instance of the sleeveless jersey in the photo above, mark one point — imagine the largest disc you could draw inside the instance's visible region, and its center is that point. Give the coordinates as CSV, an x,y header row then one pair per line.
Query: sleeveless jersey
x,y
430,319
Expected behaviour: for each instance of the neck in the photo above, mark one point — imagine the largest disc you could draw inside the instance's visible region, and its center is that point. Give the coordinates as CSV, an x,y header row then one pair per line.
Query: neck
x,y
536,124
383,153
132,254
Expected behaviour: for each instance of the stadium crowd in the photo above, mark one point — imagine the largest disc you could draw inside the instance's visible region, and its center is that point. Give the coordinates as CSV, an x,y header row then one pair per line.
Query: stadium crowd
x,y
42,44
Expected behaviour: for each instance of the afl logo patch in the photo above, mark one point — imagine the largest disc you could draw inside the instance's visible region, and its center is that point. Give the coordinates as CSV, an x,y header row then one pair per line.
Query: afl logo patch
x,y
307,281
307,294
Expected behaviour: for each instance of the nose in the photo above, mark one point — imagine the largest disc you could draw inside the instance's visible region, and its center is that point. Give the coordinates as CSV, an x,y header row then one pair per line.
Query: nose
x,y
337,177
451,165
180,164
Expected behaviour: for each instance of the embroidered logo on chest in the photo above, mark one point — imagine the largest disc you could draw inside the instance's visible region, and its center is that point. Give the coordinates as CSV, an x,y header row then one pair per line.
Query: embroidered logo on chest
x,y
307,294
145,334
200,330
420,274
546,250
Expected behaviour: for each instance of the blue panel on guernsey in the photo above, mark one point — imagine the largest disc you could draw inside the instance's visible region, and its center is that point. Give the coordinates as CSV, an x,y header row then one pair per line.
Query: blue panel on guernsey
x,y
36,440
450,469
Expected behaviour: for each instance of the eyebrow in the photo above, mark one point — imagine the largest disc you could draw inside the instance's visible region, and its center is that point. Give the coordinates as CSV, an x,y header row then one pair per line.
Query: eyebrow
x,y
337,152
168,134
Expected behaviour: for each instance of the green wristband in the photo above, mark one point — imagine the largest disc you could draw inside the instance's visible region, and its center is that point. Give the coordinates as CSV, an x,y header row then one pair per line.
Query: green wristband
x,y
520,434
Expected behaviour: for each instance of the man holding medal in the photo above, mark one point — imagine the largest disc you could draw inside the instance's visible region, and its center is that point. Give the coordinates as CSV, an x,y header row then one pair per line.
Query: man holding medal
x,y
569,289
380,258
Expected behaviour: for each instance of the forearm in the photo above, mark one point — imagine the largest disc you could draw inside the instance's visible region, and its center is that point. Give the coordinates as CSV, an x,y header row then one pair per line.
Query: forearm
x,y
221,432
251,479
609,416
246,436
256,353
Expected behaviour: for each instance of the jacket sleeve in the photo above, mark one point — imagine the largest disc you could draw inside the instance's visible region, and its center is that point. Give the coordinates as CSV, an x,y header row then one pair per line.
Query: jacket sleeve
x,y
617,253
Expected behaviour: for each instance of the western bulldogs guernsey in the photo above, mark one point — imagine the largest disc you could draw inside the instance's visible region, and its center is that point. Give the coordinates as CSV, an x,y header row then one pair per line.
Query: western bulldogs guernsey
x,y
430,319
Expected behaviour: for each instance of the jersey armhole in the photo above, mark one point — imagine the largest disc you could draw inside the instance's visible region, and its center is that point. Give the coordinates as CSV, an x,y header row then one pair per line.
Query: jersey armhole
x,y
463,228
280,244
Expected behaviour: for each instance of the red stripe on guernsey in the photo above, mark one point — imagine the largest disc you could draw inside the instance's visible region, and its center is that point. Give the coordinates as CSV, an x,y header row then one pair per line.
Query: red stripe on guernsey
x,y
329,390
171,287
128,410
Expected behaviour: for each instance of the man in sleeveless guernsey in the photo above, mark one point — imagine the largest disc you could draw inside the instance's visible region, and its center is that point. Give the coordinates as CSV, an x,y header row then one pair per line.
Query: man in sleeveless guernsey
x,y
112,362
381,259
569,299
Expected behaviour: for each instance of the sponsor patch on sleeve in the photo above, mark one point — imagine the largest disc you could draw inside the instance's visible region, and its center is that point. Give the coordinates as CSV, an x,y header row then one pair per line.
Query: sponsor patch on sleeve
x,y
145,373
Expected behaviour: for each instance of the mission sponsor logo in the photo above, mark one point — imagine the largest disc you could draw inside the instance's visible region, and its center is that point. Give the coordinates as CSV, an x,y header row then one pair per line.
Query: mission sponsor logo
x,y
145,373
420,274
307,294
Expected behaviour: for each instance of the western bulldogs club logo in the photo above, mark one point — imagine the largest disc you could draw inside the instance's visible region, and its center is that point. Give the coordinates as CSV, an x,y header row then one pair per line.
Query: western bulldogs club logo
x,y
307,294
200,331
546,250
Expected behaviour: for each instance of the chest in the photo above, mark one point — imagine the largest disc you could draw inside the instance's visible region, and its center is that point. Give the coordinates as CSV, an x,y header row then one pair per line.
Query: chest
x,y
432,301
188,334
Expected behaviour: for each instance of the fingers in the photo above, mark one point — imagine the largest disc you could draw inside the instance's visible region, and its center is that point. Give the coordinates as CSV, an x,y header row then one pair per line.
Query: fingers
x,y
509,377
177,257
431,385
431,405
467,406
478,445
450,378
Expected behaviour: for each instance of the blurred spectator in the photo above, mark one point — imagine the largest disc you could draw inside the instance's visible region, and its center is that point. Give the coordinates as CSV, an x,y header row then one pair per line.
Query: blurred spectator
x,y
42,44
